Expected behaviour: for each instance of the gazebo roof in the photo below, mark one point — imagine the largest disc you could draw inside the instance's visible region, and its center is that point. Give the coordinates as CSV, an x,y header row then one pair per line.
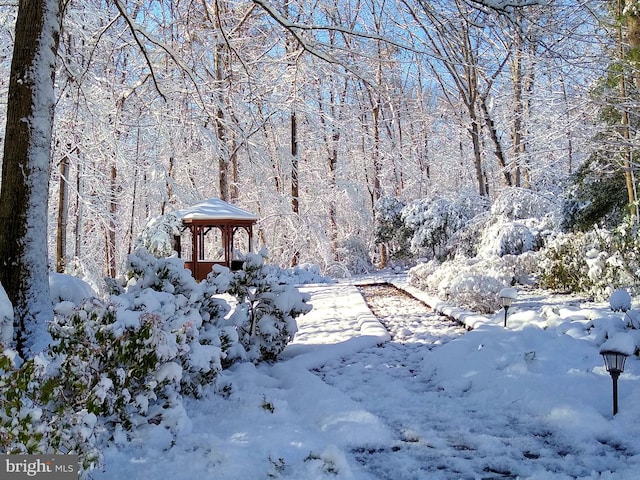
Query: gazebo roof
x,y
215,209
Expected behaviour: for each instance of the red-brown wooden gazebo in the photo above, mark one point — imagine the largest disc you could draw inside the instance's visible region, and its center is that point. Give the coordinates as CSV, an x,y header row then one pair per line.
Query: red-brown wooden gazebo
x,y
214,231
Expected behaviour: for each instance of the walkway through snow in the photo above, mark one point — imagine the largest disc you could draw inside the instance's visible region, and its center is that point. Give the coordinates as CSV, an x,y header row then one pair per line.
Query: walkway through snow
x,y
385,381
351,401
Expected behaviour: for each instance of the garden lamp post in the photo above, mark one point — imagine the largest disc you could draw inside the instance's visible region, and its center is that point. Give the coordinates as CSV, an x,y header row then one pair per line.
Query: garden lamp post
x,y
506,303
614,363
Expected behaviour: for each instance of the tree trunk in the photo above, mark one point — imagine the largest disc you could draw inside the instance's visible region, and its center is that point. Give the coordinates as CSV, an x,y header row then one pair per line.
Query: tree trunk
x,y
377,187
633,37
634,40
223,161
234,189
63,214
331,144
223,158
111,229
25,171
134,195
169,183
79,211
568,133
375,114
333,212
518,109
474,131
528,88
295,185
493,133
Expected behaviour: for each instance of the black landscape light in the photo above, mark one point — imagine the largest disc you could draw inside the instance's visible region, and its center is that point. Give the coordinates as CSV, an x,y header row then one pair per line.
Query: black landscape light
x,y
506,298
614,363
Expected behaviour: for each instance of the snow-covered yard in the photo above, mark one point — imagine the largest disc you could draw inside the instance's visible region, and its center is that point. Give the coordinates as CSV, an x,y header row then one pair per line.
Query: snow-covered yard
x,y
351,400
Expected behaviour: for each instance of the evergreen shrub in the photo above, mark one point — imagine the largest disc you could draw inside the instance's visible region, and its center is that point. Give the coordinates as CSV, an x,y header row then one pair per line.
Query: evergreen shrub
x,y
125,363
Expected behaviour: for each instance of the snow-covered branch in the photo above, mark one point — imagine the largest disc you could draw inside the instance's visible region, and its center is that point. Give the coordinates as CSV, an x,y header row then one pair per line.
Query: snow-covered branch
x,y
503,5
135,31
313,48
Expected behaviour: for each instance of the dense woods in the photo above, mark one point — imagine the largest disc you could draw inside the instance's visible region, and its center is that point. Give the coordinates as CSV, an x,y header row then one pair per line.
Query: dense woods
x,y
308,114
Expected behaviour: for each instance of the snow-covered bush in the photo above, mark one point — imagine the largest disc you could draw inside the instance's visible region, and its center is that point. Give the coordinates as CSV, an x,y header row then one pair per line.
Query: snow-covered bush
x,y
596,195
523,267
390,228
505,237
266,310
353,254
593,262
112,361
418,275
477,291
462,281
620,300
302,274
432,223
466,241
189,309
521,203
388,218
125,363
158,235
37,417
563,266
474,283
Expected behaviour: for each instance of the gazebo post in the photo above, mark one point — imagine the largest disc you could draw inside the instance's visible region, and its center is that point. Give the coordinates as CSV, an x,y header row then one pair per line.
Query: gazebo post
x,y
228,255
194,247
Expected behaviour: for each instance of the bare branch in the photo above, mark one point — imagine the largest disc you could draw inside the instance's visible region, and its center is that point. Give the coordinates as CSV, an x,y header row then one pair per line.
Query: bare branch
x,y
313,48
503,6
135,30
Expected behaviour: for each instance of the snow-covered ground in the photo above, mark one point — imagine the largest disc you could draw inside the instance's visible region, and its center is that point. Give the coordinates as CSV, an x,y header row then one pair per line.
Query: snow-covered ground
x,y
420,399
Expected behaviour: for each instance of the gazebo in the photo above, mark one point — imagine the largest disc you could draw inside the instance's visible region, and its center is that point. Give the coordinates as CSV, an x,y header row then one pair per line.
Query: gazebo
x,y
213,234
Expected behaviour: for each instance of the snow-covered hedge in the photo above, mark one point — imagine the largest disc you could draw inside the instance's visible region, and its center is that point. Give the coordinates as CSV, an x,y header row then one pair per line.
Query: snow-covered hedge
x,y
594,262
37,415
487,250
125,362
473,283
518,221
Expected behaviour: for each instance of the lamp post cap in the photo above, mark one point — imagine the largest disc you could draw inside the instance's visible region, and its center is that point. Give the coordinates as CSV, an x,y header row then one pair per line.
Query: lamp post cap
x,y
511,293
621,343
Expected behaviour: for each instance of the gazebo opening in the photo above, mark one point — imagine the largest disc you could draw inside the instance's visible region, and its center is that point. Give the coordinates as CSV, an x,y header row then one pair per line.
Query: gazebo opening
x,y
215,233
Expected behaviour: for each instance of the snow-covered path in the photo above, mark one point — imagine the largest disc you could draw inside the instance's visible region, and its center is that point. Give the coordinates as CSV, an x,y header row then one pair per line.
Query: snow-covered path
x,y
419,400
450,434
385,380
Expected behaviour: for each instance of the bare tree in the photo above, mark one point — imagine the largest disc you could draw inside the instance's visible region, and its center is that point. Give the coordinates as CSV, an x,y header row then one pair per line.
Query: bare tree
x,y
454,38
